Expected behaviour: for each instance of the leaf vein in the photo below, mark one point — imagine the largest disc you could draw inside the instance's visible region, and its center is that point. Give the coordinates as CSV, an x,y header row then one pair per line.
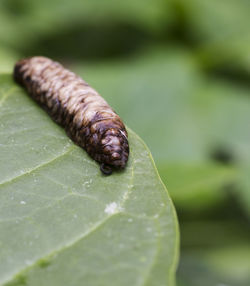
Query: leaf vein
x,y
37,167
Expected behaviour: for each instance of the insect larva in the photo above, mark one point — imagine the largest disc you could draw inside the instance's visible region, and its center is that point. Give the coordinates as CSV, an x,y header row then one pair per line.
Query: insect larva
x,y
71,102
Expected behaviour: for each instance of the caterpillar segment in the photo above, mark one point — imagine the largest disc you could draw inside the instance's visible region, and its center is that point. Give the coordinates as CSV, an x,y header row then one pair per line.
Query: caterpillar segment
x,y
71,102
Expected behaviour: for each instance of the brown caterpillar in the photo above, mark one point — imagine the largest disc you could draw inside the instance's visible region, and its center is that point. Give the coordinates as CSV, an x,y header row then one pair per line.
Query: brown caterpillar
x,y
71,102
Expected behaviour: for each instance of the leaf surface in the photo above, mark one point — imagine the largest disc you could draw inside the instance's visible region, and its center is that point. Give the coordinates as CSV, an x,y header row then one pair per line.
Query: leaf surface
x,y
62,222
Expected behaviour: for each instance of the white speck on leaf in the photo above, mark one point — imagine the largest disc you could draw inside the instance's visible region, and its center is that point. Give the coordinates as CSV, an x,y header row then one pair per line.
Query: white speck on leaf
x,y
23,203
112,208
28,262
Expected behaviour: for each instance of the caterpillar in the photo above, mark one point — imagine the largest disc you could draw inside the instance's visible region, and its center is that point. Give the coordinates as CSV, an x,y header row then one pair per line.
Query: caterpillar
x,y
87,118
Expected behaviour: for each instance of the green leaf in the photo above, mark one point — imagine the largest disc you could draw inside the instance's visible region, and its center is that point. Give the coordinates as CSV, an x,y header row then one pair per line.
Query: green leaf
x,y
221,30
228,117
201,185
40,18
220,258
7,59
220,266
62,222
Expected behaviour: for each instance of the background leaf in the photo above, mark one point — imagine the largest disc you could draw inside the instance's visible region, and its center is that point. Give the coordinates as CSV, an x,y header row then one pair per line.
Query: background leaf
x,y
63,222
17,15
220,30
222,257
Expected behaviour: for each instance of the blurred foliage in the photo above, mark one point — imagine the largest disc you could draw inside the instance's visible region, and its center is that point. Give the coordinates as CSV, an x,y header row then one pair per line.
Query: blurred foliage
x,y
221,31
178,72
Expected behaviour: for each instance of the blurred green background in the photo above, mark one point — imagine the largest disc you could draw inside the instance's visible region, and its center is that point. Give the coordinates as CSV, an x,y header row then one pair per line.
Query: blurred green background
x,y
178,73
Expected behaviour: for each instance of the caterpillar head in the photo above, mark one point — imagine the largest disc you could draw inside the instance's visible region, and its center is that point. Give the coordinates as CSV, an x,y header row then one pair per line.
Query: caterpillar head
x,y
114,145
107,143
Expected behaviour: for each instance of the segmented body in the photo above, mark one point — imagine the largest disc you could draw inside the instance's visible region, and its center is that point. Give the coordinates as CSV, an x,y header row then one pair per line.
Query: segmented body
x,y
71,102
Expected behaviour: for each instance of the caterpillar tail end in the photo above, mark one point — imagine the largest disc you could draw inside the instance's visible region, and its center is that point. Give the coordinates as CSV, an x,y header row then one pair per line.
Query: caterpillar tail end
x,y
18,73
